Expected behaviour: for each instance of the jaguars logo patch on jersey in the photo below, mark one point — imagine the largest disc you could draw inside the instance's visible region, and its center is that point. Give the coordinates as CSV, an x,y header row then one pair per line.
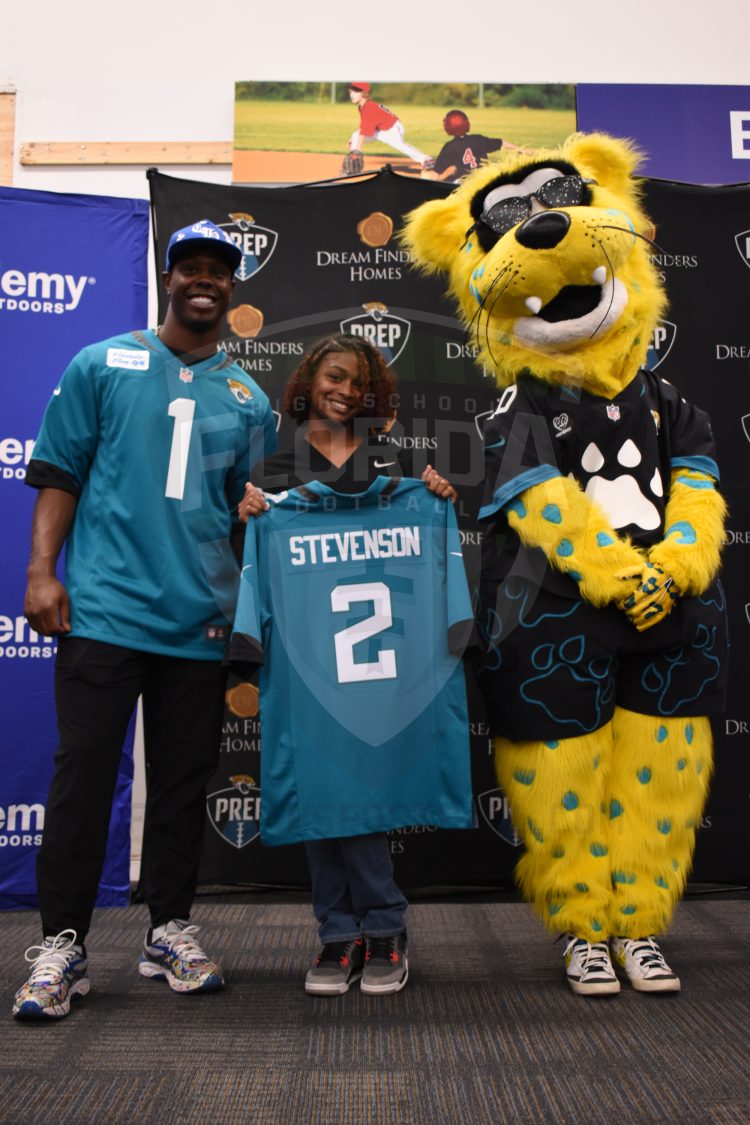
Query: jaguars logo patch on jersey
x,y
242,393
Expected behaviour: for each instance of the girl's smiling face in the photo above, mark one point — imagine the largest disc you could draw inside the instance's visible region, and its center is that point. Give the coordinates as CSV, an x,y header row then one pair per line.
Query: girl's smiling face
x,y
337,389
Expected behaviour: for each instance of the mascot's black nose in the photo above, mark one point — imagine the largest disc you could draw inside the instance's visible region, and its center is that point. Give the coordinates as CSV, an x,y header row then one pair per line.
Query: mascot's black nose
x,y
544,230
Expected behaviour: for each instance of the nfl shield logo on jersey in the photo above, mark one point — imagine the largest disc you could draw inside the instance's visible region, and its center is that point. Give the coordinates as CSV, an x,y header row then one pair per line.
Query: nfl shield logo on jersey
x,y
613,412
495,810
380,328
186,375
235,812
257,243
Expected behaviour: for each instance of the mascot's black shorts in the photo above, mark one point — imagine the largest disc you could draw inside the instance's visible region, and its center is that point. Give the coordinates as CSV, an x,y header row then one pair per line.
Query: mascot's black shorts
x,y
557,667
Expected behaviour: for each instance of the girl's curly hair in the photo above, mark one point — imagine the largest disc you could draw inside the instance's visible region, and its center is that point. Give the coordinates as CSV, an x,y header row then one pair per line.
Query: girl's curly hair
x,y
378,379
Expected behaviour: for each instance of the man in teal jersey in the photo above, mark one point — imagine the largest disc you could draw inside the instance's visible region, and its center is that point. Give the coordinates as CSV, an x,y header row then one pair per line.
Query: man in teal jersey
x,y
142,457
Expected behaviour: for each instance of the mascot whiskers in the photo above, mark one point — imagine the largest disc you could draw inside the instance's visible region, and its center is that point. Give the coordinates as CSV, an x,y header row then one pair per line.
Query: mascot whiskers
x,y
603,617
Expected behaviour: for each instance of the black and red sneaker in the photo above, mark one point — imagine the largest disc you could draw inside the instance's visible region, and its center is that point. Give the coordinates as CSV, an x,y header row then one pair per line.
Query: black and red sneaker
x,y
386,964
338,965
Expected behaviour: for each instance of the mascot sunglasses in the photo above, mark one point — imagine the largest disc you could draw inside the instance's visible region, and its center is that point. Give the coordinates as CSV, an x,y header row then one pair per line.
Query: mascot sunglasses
x,y
560,191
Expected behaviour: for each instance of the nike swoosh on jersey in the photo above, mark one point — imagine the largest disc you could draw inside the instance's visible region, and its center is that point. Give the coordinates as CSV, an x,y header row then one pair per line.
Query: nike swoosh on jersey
x,y
382,464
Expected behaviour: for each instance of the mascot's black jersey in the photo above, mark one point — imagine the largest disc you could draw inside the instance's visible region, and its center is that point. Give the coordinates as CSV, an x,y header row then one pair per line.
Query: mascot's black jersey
x,y
621,452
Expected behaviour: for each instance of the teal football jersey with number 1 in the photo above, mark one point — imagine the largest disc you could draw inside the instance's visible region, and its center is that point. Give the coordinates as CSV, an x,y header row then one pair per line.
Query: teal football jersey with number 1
x,y
357,607
158,453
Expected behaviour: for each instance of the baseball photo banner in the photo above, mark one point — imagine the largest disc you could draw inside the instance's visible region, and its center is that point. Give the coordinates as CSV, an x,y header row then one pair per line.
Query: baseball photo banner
x,y
72,271
327,258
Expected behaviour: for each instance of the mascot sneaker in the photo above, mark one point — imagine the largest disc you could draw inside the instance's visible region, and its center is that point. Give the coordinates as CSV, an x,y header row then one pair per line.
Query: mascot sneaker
x,y
589,968
60,972
338,965
386,965
644,965
171,953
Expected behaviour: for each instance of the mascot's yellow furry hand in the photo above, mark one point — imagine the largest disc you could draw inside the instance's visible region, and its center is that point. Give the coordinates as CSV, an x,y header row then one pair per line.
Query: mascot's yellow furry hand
x,y
691,548
578,539
653,600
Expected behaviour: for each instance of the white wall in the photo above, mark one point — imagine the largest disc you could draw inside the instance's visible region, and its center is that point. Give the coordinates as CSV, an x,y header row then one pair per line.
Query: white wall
x,y
149,71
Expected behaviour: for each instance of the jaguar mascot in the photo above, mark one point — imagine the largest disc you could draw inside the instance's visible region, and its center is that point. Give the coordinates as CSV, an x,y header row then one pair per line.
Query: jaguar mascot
x,y
603,619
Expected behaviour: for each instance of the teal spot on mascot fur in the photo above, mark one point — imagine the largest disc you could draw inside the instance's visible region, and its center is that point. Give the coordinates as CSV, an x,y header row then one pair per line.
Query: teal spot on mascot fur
x,y
524,777
661,882
603,539
664,826
615,809
582,887
535,832
623,877
554,907
683,532
575,575
551,513
598,850
570,801
565,548
596,925
552,744
681,763
661,734
628,909
518,508
689,733
644,775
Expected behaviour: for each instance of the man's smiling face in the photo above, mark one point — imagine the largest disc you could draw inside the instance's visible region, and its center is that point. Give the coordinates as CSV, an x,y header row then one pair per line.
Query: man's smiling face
x,y
200,288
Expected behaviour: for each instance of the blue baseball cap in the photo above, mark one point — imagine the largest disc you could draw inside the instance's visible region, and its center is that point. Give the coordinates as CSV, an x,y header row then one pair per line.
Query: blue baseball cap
x,y
198,236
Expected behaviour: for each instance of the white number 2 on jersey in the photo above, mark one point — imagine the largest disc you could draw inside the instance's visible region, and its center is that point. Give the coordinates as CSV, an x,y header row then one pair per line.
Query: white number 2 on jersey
x,y
348,670
183,412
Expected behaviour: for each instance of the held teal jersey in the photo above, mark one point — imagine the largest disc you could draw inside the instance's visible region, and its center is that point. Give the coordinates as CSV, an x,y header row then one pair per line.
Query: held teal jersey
x,y
157,452
356,606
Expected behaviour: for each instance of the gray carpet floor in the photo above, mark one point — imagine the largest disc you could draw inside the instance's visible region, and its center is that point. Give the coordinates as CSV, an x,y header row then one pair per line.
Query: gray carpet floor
x,y
486,1030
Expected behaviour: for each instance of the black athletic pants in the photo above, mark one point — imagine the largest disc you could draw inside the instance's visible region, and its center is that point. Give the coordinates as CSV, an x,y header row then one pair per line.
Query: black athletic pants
x,y
96,688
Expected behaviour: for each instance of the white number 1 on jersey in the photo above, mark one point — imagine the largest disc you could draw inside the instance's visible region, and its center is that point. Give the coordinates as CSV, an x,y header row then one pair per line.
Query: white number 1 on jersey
x,y
183,411
348,670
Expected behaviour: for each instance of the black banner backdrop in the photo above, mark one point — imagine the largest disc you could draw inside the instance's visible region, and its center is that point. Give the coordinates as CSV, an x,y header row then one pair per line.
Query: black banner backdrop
x,y
323,259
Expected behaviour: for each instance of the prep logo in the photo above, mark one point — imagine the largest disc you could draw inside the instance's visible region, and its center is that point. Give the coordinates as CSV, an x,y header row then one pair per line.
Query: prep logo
x,y
15,454
257,243
661,343
381,328
21,825
37,291
742,242
18,641
235,812
495,810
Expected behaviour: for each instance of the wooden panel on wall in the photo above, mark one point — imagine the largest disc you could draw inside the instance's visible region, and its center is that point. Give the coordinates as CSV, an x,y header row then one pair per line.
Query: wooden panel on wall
x,y
7,137
126,152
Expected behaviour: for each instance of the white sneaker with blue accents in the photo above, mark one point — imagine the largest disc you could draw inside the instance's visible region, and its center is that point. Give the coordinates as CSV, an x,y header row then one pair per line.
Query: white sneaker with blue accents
x,y
172,953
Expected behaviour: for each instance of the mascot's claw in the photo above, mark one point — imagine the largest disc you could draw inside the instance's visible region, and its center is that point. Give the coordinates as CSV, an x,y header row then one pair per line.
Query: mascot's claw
x,y
653,599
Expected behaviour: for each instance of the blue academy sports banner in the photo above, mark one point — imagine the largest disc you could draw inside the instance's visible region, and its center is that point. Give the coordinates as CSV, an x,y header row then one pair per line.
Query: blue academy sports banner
x,y
699,134
72,271
328,259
